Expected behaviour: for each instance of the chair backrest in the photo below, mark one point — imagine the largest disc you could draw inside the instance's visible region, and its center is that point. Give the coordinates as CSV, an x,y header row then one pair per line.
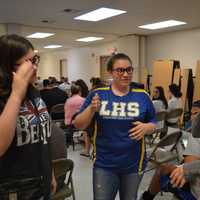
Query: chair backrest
x,y
174,113
170,139
160,116
167,140
65,186
58,108
57,113
57,142
62,166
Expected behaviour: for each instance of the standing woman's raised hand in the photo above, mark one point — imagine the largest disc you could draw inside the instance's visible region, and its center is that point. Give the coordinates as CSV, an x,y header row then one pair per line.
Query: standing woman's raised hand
x,y
22,78
95,104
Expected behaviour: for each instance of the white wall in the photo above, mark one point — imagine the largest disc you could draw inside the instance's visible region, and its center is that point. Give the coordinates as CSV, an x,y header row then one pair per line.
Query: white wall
x,y
50,64
85,62
181,45
3,29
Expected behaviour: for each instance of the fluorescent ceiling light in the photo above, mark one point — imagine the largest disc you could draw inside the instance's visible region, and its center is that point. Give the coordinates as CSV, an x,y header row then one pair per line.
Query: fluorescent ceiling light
x,y
160,25
40,35
100,14
89,39
52,46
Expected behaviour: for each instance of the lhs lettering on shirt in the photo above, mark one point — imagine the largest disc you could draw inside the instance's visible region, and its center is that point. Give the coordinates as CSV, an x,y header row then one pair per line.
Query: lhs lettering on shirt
x,y
30,132
120,109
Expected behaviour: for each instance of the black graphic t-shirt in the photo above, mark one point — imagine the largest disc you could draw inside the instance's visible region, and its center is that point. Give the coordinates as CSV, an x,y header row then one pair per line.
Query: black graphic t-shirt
x,y
28,156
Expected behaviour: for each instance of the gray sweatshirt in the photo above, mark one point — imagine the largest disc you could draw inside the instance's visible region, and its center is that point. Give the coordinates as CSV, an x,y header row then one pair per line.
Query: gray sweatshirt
x,y
192,170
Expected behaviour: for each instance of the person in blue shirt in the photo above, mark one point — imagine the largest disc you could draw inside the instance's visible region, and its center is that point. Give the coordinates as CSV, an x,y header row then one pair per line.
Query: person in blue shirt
x,y
123,116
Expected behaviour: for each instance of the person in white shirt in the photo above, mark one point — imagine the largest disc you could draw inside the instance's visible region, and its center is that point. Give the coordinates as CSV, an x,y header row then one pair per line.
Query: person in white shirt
x,y
174,101
159,99
65,86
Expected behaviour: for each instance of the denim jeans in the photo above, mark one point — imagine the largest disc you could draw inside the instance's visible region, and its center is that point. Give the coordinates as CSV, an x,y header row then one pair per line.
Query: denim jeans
x,y
183,193
106,184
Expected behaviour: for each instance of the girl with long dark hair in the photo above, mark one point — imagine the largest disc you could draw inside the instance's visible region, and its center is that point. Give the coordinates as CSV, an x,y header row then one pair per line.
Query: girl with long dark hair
x,y
159,99
25,163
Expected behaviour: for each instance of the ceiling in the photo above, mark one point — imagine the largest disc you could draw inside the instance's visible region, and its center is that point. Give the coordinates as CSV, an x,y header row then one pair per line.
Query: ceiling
x,y
29,15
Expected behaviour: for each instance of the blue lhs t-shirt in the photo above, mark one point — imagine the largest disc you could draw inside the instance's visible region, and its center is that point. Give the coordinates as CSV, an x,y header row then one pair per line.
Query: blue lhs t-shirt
x,y
113,148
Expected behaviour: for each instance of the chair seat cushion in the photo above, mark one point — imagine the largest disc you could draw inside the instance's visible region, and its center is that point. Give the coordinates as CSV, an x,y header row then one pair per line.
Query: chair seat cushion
x,y
164,156
65,191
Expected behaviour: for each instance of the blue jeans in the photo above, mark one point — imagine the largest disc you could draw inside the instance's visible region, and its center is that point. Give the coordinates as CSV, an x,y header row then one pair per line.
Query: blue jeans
x,y
106,184
183,193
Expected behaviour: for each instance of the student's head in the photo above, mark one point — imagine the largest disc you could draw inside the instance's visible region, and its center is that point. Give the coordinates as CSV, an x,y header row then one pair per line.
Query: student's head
x,y
84,88
46,82
65,80
121,69
96,82
75,89
14,50
158,94
174,91
195,109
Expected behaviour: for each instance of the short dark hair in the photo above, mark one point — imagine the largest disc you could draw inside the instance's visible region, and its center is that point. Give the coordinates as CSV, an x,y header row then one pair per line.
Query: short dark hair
x,y
75,89
175,90
45,82
113,59
84,88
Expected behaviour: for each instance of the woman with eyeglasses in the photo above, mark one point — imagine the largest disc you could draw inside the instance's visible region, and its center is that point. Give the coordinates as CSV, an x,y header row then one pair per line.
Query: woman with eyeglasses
x,y
25,163
159,99
123,116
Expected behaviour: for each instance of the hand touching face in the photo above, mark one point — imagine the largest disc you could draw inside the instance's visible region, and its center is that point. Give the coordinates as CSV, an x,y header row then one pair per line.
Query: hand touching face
x,y
31,61
24,74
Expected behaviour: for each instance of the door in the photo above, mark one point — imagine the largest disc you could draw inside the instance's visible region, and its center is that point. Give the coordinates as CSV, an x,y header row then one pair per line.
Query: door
x,y
104,75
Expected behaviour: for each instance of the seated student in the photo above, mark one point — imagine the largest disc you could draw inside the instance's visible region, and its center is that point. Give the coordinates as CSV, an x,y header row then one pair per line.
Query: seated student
x,y
182,180
65,85
96,82
159,99
72,106
174,102
196,123
52,96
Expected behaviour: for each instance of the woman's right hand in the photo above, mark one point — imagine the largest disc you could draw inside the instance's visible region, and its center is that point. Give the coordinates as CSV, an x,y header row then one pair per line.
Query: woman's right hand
x,y
95,103
21,79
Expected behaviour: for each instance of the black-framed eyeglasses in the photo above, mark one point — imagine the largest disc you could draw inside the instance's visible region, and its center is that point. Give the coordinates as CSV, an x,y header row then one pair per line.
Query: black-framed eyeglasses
x,y
120,70
156,91
35,60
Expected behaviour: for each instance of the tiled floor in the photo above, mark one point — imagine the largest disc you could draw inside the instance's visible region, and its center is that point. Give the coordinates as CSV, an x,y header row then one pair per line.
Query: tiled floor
x,y
83,177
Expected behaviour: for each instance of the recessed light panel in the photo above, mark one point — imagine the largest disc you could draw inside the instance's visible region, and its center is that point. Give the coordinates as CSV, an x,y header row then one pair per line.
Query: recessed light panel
x,y
52,46
100,14
163,24
89,39
39,35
